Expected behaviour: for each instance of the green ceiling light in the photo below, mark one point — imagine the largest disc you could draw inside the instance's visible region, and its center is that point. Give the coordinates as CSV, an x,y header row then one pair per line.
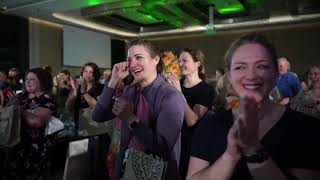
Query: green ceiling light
x,y
154,4
153,7
140,17
95,2
234,8
182,15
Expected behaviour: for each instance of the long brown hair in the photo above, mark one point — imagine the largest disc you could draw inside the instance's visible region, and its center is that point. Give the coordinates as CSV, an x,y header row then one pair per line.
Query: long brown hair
x,y
197,56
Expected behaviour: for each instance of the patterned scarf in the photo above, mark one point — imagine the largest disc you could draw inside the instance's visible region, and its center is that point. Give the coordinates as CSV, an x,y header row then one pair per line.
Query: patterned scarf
x,y
142,112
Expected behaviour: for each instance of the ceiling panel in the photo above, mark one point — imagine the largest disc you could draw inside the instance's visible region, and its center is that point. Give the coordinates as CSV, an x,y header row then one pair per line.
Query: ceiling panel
x,y
142,17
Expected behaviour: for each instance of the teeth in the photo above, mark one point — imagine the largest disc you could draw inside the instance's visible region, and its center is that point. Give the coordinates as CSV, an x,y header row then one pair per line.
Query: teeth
x,y
137,71
251,87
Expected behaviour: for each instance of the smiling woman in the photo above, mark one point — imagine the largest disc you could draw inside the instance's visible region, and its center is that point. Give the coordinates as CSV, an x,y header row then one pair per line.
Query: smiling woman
x,y
29,158
258,140
146,109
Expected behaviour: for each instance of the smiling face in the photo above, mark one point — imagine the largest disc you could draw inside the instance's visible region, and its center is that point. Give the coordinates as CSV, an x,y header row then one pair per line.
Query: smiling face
x,y
314,74
252,72
187,64
32,83
141,64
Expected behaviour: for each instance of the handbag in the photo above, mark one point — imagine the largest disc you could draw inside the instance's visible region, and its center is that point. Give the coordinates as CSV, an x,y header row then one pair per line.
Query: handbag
x,y
143,166
10,123
54,125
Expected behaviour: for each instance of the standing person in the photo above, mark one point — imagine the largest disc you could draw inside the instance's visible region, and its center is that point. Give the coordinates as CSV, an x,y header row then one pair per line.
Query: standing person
x,y
308,101
288,83
84,94
29,158
150,108
199,96
14,79
259,139
62,89
106,76
3,80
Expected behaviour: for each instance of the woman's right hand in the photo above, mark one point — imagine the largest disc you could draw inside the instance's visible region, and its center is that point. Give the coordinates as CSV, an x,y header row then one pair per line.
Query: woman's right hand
x,y
120,71
74,84
233,142
247,123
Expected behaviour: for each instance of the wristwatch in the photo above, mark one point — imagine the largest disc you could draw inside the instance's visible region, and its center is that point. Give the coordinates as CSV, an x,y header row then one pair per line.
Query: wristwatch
x,y
259,156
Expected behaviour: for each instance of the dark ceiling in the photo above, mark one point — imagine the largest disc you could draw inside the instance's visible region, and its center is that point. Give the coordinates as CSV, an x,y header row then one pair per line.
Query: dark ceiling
x,y
155,17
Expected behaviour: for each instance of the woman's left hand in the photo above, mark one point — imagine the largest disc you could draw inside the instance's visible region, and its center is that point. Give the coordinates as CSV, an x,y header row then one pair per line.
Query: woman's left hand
x,y
171,78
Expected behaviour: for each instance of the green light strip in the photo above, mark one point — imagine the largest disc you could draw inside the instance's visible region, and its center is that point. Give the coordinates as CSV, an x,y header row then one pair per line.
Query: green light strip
x,y
95,2
236,8
140,17
152,7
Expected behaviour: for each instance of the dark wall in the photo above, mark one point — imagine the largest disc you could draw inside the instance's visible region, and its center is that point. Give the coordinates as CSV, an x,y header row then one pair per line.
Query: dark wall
x,y
300,43
118,51
14,43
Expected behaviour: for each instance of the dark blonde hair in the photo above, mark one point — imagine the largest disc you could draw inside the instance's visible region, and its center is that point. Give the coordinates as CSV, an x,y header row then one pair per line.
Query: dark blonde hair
x,y
153,50
197,56
252,38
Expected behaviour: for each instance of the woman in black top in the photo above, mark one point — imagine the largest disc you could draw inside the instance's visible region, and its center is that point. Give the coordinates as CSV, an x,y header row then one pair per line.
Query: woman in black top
x,y
85,93
260,139
199,96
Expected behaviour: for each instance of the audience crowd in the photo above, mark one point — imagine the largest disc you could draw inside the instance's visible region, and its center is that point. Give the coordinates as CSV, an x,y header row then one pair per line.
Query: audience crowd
x,y
253,119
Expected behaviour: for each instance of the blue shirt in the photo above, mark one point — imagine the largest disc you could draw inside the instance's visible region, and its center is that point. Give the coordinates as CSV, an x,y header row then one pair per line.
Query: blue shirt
x,y
3,85
288,84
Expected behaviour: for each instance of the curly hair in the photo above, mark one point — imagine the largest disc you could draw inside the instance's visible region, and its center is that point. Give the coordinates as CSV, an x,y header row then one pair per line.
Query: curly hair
x,y
45,79
95,68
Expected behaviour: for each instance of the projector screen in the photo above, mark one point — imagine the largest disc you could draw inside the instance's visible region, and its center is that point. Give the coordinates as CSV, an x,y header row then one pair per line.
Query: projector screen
x,y
81,46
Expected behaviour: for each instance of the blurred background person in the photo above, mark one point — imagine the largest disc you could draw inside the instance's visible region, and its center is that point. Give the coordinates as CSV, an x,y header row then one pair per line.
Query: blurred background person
x,y
84,94
14,79
288,83
62,88
29,158
3,80
106,76
308,101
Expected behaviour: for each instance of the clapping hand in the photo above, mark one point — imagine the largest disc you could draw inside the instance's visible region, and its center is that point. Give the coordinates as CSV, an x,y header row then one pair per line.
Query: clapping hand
x,y
83,86
244,134
171,78
248,121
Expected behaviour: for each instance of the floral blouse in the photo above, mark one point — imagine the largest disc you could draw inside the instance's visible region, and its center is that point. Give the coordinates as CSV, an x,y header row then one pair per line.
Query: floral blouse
x,y
29,159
